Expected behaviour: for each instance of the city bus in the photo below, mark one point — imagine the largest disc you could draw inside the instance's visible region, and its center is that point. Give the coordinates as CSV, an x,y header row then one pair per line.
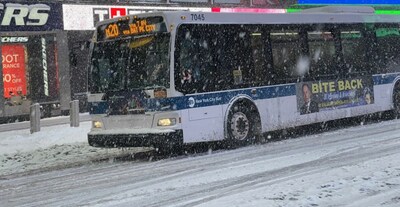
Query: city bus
x,y
174,78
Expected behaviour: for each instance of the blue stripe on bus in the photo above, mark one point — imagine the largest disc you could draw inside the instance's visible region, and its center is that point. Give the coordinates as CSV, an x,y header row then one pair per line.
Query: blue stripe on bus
x,y
203,100
220,98
384,79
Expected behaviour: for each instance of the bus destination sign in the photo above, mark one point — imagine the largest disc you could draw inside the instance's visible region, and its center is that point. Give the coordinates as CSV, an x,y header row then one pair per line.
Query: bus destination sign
x,y
139,27
131,27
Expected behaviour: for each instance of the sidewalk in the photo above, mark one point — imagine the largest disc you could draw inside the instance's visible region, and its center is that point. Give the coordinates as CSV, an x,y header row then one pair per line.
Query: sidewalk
x,y
43,122
54,147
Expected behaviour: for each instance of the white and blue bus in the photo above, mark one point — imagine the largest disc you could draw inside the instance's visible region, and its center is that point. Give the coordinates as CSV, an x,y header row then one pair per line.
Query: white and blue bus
x,y
173,78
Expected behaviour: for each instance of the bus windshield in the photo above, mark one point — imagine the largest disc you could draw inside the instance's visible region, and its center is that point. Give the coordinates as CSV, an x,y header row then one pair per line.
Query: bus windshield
x,y
139,62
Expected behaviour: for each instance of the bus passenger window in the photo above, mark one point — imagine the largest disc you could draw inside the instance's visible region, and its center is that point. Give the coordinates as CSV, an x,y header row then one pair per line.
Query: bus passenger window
x,y
218,57
322,53
353,47
286,51
259,73
194,58
388,49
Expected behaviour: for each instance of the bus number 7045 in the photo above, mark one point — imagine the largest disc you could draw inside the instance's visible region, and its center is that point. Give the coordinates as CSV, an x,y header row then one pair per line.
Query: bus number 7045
x,y
198,17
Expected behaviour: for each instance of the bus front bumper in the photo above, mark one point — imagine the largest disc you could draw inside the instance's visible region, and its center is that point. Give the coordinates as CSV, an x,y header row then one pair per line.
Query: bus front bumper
x,y
113,140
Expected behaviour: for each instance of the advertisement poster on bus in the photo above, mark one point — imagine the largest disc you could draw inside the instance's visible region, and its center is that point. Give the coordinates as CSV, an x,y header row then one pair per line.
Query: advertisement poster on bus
x,y
316,96
14,76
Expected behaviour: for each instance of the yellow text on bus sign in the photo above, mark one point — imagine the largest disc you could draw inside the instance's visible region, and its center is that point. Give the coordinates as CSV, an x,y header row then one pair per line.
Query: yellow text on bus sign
x,y
340,85
139,27
112,31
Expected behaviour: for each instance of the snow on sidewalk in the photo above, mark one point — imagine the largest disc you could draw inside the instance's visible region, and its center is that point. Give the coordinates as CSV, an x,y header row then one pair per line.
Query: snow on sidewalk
x,y
53,147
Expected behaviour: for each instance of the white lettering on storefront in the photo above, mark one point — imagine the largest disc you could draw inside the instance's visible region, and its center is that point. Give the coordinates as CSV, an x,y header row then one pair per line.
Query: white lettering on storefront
x,y
10,58
10,61
14,39
21,15
101,14
44,62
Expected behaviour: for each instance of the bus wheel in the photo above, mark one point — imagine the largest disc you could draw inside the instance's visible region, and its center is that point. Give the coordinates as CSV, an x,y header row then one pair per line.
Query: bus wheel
x,y
396,101
242,123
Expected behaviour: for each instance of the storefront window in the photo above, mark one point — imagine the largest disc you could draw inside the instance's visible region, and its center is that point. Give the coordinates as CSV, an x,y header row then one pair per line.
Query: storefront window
x,y
44,84
30,71
14,73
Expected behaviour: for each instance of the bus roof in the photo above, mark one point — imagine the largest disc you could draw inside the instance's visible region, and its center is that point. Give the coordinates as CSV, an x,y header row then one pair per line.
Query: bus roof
x,y
329,14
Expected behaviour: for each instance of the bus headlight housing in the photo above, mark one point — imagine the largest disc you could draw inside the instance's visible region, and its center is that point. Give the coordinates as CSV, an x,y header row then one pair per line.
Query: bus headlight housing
x,y
97,124
166,122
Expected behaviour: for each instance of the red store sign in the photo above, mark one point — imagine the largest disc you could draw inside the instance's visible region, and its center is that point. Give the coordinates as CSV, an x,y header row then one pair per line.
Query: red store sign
x,y
14,76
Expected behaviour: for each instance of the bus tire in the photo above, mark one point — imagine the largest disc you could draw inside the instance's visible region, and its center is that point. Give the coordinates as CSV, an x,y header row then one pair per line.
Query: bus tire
x,y
396,101
243,124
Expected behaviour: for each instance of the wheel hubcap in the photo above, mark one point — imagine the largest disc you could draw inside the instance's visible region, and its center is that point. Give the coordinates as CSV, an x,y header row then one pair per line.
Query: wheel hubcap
x,y
240,126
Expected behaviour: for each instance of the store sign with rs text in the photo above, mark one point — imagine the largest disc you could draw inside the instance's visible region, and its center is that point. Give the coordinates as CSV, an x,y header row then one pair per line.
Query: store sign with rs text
x,y
30,16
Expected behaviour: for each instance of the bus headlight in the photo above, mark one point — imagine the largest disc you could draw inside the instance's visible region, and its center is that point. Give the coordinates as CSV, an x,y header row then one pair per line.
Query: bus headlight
x,y
166,122
97,124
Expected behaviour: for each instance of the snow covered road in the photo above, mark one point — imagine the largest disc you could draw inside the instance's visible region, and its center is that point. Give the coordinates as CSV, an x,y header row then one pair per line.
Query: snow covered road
x,y
358,166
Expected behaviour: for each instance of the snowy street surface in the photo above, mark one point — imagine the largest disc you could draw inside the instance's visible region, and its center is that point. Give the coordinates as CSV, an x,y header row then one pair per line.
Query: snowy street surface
x,y
357,166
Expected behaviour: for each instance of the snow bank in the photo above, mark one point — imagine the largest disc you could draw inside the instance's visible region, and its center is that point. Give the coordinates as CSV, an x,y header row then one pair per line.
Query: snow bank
x,y
53,147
